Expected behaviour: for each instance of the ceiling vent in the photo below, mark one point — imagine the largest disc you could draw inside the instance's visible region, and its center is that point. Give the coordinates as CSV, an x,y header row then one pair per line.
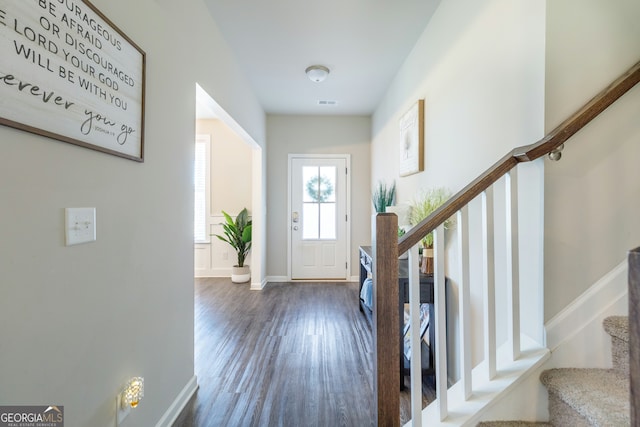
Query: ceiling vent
x,y
325,102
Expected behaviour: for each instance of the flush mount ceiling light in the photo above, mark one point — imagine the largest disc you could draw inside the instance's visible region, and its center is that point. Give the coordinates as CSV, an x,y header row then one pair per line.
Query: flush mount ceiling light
x,y
317,73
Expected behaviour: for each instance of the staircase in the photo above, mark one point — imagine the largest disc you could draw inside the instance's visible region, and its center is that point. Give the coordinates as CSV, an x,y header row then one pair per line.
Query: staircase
x,y
504,366
588,397
593,397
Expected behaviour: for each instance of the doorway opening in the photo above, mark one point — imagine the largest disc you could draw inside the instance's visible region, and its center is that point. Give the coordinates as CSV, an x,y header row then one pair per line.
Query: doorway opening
x,y
229,177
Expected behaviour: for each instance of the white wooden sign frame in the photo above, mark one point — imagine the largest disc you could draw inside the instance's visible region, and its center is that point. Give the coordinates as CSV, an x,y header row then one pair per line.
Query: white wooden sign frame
x,y
412,140
68,73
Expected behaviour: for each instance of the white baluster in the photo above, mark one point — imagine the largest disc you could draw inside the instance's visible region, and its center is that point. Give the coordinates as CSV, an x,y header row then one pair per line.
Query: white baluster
x,y
489,284
414,328
465,300
513,266
440,321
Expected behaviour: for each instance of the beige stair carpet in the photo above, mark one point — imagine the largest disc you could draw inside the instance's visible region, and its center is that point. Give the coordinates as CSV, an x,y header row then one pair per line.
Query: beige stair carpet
x,y
599,397
618,328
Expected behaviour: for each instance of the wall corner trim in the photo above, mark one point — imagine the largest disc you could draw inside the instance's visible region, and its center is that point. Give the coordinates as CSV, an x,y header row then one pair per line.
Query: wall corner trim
x,y
258,286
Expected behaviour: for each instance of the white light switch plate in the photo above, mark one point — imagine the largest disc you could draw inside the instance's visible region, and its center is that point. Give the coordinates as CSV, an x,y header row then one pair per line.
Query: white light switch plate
x,y
80,225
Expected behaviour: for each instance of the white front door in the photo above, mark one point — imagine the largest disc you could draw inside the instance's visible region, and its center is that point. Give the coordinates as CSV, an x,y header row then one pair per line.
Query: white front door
x,y
318,217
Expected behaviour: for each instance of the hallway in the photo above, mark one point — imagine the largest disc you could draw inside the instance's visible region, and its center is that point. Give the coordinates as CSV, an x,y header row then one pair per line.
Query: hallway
x,y
290,355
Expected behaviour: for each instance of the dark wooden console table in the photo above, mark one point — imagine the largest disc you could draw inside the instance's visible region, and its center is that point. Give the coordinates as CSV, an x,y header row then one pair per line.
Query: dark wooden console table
x,y
426,296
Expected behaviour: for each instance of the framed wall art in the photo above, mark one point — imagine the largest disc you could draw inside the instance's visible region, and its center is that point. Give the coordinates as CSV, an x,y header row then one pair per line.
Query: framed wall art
x,y
412,140
68,73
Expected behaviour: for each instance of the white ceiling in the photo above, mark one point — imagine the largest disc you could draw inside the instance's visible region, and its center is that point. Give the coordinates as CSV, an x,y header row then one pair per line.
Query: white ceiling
x,y
362,42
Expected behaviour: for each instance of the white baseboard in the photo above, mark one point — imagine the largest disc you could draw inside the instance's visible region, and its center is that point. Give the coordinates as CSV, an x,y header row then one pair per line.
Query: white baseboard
x,y
179,403
258,286
276,279
213,272
285,279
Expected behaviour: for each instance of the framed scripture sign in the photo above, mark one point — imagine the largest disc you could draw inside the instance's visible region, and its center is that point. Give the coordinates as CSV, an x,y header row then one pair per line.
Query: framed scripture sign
x,y
412,140
68,73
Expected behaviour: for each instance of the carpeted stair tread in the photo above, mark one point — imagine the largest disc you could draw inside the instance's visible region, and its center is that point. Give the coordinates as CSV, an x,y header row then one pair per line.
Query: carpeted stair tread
x,y
601,396
617,326
512,424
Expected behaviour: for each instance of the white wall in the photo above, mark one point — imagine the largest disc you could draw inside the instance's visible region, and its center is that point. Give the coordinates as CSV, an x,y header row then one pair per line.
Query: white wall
x,y
231,162
480,68
477,66
77,322
316,135
593,194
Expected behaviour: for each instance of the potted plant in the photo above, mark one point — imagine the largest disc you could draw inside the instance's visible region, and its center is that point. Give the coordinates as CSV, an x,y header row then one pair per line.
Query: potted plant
x,y
402,232
238,234
421,207
383,196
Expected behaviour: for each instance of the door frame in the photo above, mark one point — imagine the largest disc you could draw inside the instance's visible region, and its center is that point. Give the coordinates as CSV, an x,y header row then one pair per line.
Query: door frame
x,y
347,159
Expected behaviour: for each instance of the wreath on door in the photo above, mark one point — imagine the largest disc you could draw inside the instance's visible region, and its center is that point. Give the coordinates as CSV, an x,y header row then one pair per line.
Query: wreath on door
x,y
319,188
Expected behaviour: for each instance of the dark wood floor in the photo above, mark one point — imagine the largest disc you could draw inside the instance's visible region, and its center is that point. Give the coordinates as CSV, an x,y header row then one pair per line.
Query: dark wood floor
x,y
290,355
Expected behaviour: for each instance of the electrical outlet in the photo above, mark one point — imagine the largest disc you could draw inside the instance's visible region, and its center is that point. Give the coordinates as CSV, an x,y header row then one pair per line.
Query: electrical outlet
x,y
80,225
122,412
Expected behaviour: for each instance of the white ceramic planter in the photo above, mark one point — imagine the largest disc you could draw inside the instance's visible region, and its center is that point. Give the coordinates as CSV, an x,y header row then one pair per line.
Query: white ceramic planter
x,y
240,274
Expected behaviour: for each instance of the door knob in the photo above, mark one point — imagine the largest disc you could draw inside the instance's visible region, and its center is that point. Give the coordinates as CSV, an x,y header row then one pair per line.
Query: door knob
x,y
295,227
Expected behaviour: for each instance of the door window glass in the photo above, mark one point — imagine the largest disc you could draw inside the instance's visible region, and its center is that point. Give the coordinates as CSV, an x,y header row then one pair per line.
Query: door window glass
x,y
319,202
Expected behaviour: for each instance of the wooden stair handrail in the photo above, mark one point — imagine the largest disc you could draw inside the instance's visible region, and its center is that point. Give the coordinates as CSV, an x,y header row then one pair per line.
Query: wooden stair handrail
x,y
526,153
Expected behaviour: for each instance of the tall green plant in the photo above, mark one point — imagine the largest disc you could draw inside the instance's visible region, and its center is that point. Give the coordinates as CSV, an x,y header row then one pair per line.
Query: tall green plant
x,y
238,234
383,196
424,205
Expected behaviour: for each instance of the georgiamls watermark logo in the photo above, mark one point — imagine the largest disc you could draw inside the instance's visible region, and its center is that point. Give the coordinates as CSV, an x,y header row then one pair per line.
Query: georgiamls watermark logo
x,y
32,416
